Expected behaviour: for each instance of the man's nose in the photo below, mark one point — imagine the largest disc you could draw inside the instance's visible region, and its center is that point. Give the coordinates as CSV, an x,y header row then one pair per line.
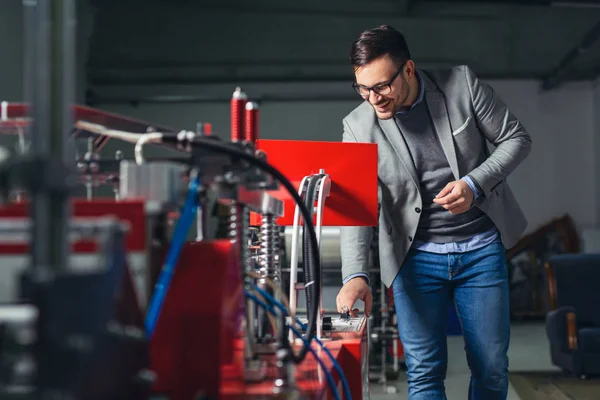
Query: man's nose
x,y
374,97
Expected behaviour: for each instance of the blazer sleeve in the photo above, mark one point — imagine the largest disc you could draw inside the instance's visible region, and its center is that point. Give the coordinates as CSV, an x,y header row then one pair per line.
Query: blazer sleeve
x,y
501,128
355,241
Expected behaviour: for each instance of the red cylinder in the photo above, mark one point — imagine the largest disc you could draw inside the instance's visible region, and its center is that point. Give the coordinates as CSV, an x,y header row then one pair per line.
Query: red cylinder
x,y
208,129
238,105
251,130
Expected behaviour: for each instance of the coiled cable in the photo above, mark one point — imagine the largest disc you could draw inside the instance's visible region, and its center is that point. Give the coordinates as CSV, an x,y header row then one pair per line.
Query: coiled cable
x,y
307,247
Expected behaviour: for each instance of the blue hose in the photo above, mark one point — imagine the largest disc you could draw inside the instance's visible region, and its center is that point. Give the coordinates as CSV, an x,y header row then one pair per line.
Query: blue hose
x,y
182,229
336,365
328,375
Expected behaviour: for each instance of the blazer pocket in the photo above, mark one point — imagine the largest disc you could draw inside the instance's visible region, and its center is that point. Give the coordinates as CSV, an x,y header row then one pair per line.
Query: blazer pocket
x,y
462,127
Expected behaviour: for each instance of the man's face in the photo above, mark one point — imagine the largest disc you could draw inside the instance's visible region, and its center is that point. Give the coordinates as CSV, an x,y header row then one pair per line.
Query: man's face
x,y
387,95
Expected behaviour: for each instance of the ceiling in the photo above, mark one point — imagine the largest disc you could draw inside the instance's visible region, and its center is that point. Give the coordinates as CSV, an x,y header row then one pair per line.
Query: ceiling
x,y
150,42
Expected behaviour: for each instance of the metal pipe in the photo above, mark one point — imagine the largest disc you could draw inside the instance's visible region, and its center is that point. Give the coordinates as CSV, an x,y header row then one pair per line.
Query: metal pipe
x,y
384,315
53,85
29,54
554,77
197,99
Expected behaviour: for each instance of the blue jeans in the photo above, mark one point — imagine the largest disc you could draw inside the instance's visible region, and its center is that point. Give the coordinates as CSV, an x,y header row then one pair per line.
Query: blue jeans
x,y
477,283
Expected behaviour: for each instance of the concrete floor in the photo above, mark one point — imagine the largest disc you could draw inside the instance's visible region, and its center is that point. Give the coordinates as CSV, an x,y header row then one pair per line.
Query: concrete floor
x,y
529,351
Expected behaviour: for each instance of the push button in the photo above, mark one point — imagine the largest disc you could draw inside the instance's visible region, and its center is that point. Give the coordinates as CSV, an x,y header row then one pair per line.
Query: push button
x,y
418,210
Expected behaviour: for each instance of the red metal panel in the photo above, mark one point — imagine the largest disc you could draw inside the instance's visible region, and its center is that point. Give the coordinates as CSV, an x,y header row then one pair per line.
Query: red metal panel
x,y
195,335
350,350
351,166
129,211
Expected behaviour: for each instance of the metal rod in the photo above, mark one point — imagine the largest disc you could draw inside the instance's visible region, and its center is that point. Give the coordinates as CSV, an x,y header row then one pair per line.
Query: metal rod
x,y
198,99
384,315
53,98
29,55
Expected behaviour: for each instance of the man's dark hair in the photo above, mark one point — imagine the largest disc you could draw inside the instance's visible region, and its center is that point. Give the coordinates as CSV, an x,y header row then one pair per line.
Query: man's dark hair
x,y
377,42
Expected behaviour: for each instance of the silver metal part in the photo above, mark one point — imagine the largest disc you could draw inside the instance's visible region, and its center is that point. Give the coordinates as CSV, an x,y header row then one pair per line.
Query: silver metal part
x,y
329,247
158,182
18,230
269,248
90,155
238,94
19,314
19,322
260,202
252,105
285,384
239,222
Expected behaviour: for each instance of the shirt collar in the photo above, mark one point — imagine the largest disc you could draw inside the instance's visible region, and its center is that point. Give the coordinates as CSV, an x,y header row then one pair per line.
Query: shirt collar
x,y
419,99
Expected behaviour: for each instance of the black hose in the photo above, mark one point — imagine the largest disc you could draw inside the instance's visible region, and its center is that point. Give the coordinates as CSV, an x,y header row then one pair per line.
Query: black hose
x,y
234,151
307,248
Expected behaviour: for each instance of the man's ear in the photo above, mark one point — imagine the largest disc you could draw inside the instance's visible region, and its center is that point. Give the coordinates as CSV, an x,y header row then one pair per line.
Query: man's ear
x,y
409,69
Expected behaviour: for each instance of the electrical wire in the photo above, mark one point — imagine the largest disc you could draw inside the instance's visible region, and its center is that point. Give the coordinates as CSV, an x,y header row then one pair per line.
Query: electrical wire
x,y
213,145
275,288
177,241
112,133
336,365
328,375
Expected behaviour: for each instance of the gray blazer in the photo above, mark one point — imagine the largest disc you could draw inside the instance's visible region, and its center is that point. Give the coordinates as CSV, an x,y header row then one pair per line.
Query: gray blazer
x,y
465,112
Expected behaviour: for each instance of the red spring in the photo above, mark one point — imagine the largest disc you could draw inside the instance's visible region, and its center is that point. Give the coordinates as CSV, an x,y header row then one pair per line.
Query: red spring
x,y
251,132
238,104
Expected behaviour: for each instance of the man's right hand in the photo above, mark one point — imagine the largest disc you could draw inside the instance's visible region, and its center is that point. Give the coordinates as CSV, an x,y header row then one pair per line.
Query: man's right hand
x,y
354,289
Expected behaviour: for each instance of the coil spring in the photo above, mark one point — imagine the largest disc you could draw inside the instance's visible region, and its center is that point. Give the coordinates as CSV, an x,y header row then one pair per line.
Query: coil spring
x,y
269,247
237,120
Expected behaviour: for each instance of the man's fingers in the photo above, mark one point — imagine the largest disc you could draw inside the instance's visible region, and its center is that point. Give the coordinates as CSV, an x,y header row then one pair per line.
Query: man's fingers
x,y
345,300
354,313
447,189
451,198
368,303
460,202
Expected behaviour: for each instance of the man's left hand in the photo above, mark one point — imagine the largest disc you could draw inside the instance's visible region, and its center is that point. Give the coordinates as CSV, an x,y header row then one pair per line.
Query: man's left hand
x,y
456,197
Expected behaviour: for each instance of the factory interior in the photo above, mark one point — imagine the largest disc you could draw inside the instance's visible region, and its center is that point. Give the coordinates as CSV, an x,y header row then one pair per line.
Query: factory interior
x,y
168,251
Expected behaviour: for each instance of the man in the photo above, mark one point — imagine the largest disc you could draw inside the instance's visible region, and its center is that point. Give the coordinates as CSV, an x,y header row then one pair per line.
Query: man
x,y
446,211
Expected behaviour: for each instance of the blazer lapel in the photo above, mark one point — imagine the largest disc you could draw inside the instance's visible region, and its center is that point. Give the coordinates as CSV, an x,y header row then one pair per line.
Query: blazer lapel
x,y
439,115
391,131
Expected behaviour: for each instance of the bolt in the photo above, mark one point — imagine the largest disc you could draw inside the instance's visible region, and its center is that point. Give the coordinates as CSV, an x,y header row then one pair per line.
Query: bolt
x,y
146,377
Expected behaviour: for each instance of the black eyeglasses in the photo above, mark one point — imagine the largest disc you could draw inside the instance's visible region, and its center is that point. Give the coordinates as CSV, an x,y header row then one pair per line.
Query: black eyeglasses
x,y
381,89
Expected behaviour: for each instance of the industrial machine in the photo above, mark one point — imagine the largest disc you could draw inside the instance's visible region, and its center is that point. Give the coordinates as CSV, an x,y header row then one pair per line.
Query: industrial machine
x,y
174,285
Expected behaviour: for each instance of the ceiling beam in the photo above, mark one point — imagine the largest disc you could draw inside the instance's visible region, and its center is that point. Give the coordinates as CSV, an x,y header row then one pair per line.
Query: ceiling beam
x,y
554,77
529,3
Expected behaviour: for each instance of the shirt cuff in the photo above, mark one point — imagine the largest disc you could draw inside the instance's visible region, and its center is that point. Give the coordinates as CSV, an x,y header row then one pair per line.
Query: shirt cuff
x,y
472,185
361,274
